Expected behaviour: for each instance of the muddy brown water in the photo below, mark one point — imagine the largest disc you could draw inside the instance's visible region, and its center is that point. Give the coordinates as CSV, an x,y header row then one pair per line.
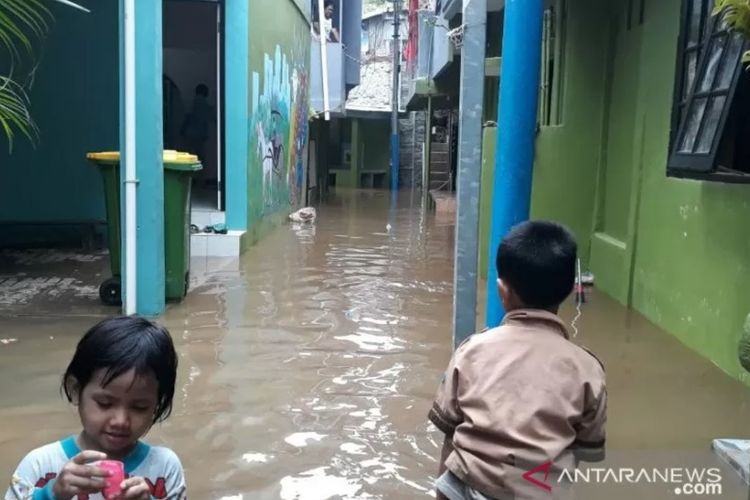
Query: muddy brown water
x,y
307,369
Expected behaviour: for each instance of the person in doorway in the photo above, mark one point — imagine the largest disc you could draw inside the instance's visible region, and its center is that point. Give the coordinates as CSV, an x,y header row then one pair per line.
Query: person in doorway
x,y
522,398
330,32
122,380
195,128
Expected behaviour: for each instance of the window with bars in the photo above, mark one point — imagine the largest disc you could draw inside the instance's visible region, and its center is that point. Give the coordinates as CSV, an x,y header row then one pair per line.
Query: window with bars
x,y
709,124
551,82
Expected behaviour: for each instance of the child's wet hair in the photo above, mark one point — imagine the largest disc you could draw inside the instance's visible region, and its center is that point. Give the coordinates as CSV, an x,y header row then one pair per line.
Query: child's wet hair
x,y
119,345
537,259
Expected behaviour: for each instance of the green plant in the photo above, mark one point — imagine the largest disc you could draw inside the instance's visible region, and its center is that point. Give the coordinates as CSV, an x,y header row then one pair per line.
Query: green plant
x,y
22,23
737,16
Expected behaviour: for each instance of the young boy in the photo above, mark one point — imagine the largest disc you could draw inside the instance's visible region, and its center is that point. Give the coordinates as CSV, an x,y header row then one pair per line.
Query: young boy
x,y
522,400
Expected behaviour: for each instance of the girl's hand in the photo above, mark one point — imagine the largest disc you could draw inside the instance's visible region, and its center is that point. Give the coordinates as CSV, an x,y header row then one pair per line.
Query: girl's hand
x,y
78,477
135,488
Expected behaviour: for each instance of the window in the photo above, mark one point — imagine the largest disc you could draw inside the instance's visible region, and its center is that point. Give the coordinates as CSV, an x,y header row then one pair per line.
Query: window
x,y
551,90
708,122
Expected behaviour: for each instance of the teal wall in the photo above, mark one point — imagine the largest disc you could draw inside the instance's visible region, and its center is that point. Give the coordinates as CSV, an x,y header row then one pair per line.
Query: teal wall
x,y
237,92
75,104
279,109
677,251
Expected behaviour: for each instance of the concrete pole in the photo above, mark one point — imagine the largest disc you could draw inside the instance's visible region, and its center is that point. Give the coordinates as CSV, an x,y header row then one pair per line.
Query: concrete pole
x,y
141,138
516,131
237,90
471,101
395,143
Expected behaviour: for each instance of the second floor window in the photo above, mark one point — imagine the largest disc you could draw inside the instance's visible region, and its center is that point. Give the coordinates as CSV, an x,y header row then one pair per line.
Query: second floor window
x,y
711,92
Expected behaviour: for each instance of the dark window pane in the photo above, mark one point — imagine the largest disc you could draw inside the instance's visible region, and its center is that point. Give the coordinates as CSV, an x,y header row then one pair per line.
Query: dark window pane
x,y
694,119
711,125
727,71
707,10
692,66
714,60
695,16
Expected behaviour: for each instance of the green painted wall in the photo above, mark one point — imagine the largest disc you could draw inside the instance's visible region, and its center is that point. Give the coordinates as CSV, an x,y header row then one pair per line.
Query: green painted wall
x,y
375,136
489,149
565,185
279,110
75,104
370,150
677,250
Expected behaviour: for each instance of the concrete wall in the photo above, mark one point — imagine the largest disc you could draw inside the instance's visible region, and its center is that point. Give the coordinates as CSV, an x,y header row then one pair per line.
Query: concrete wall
x,y
75,104
676,250
336,79
440,46
379,31
412,132
279,108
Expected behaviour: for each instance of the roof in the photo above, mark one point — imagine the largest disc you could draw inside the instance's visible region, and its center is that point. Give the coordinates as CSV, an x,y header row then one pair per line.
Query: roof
x,y
378,11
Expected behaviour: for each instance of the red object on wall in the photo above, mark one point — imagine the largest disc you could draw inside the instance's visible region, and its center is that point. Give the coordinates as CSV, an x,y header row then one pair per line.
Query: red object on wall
x,y
410,51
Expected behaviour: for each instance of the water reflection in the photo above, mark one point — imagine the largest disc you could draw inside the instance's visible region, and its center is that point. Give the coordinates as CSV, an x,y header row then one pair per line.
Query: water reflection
x,y
306,370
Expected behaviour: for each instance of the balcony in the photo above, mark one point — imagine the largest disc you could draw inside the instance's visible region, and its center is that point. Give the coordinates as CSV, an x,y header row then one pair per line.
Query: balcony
x,y
343,68
418,77
336,79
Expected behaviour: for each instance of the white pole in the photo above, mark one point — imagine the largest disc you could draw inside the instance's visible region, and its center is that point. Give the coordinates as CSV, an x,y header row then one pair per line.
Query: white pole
x,y
323,59
219,108
130,162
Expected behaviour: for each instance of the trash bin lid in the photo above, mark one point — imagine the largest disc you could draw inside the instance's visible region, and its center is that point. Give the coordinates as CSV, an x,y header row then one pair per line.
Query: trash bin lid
x,y
179,159
106,156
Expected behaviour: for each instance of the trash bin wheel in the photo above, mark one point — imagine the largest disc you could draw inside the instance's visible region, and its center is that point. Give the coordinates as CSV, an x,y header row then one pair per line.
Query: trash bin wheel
x,y
110,292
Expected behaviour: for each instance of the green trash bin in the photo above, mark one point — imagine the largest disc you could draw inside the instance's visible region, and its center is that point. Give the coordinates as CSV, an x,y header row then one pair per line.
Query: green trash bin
x,y
179,169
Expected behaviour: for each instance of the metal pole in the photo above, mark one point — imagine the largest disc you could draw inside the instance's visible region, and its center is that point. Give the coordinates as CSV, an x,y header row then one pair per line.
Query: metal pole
x,y
469,169
428,151
413,149
323,60
516,131
395,95
131,234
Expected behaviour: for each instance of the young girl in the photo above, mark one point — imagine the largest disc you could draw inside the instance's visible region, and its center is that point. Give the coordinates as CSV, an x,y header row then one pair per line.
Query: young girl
x,y
122,379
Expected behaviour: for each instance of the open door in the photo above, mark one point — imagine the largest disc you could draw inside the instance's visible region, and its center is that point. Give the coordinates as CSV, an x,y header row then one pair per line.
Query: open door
x,y
193,98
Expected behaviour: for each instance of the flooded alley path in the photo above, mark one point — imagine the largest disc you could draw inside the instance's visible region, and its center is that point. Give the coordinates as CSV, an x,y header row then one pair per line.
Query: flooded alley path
x,y
308,367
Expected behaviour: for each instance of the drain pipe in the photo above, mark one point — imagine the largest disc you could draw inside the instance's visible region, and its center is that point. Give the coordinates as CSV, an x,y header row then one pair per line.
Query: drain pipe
x,y
323,59
131,182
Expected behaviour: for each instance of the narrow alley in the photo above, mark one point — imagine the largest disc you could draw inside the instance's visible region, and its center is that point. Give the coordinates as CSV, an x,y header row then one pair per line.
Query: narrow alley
x,y
308,369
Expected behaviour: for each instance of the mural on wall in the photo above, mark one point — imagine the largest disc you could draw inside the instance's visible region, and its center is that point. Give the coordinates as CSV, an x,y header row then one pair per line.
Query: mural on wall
x,y
279,125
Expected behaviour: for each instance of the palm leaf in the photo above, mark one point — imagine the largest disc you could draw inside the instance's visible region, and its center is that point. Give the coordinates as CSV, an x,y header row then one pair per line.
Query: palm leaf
x,y
21,23
72,4
14,111
736,13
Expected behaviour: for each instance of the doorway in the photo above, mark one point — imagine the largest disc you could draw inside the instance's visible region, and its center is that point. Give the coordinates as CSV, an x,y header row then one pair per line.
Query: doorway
x,y
611,251
193,100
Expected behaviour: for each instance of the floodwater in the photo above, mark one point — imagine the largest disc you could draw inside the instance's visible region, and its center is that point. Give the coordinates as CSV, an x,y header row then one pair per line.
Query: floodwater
x,y
307,368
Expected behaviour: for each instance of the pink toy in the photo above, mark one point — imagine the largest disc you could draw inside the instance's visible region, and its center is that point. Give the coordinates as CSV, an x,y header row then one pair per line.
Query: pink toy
x,y
116,477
